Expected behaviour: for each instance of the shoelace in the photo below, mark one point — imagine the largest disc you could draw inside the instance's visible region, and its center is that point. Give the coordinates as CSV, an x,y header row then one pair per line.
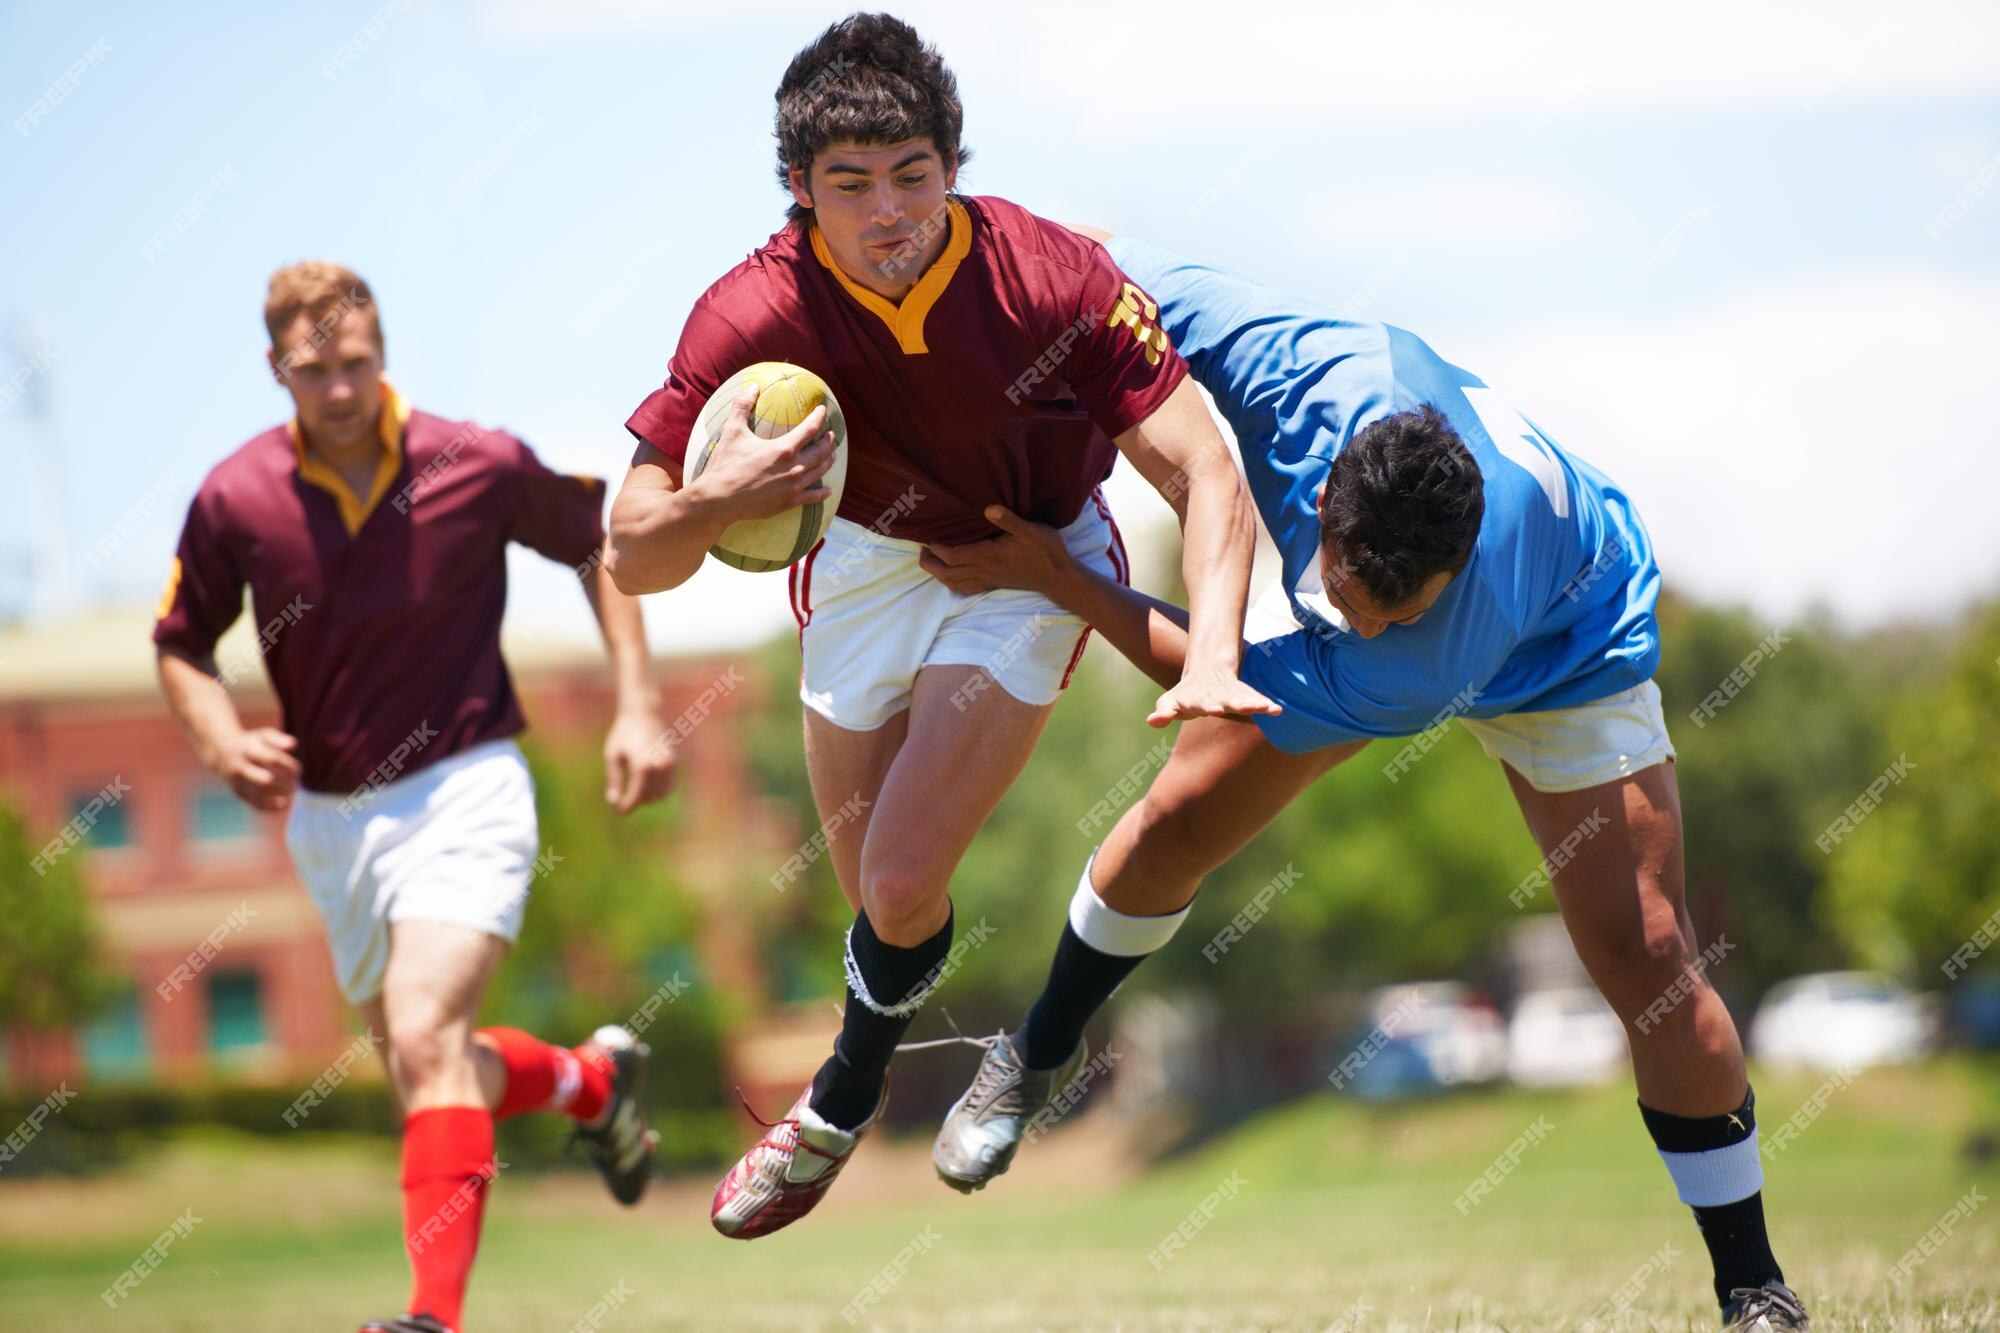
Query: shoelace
x,y
798,1136
1764,1300
994,1082
989,1082
957,1038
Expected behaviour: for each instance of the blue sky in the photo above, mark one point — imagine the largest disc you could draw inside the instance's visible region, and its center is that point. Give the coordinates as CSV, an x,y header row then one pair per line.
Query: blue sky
x,y
1749,264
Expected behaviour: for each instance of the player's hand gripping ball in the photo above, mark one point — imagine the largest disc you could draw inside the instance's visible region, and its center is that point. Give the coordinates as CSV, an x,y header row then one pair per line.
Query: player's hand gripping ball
x,y
786,394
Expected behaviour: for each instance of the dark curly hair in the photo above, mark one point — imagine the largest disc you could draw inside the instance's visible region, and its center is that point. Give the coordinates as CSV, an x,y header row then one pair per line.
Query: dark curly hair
x,y
1402,504
871,79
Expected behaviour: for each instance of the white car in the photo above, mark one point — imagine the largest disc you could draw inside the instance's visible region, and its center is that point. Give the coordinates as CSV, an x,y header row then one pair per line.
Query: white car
x,y
1564,1037
1455,1029
1840,1020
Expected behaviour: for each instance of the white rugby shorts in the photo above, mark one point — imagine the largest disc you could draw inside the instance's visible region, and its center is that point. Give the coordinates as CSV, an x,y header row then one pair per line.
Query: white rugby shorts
x,y
870,618
1568,749
455,842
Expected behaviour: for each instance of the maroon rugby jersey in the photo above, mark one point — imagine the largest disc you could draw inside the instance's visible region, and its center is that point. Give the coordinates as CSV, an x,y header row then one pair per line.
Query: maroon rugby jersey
x,y
380,615
1000,378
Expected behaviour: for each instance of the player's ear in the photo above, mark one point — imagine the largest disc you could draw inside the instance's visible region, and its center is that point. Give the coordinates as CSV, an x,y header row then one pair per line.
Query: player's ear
x,y
797,180
271,360
951,173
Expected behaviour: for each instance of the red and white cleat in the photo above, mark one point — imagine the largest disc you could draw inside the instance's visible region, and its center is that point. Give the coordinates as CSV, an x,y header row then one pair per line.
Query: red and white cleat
x,y
784,1176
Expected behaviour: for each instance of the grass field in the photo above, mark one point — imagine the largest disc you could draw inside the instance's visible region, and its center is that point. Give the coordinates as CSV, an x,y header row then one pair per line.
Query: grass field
x,y
1337,1216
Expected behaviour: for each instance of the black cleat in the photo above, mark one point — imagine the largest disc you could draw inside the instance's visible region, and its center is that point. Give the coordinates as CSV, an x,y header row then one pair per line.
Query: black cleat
x,y
406,1323
622,1147
1772,1306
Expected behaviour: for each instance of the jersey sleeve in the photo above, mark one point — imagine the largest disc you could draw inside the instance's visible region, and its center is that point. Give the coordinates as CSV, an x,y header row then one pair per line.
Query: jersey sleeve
x,y
555,514
204,591
711,350
1259,353
1124,365
1336,689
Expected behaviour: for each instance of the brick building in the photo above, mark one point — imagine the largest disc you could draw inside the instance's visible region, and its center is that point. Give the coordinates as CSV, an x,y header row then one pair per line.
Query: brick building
x,y
171,857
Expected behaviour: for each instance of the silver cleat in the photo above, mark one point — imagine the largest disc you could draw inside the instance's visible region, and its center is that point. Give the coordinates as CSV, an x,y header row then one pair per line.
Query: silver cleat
x,y
984,1128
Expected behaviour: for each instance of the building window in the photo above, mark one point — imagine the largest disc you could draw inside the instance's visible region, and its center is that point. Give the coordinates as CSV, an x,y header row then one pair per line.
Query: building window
x,y
215,815
102,826
235,1013
114,1044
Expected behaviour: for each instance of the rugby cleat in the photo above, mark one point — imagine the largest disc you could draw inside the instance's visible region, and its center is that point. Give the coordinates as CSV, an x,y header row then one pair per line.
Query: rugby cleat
x,y
785,1175
407,1323
621,1145
983,1129
1773,1306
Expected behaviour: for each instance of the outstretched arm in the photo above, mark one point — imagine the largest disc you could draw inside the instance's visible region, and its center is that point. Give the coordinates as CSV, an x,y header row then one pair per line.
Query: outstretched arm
x,y
1181,453
1151,633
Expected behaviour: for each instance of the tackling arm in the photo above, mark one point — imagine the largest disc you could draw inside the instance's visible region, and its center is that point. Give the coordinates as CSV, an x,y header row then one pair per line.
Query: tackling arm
x,y
1180,452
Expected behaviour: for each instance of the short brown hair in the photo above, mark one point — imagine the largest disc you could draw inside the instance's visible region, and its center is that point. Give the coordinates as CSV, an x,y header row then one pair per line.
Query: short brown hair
x,y
326,292
869,78
1403,503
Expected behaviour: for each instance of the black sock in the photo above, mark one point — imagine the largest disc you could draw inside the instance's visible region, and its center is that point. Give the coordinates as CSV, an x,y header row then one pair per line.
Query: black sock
x,y
848,1086
1080,980
1738,1244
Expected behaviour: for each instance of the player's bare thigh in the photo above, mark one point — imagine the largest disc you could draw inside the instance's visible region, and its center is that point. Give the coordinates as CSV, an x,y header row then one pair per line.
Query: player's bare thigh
x,y
963,750
847,769
1618,877
1219,788
1615,852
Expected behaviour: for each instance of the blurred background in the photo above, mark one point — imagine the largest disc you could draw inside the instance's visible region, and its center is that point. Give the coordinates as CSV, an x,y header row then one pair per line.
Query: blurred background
x,y
1743,260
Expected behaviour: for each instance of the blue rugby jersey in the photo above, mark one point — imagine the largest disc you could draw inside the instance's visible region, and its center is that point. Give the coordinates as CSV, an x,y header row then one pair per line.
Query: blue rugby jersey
x,y
1554,609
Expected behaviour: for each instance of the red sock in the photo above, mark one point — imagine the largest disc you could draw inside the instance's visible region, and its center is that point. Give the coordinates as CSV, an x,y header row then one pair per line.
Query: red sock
x,y
448,1165
544,1077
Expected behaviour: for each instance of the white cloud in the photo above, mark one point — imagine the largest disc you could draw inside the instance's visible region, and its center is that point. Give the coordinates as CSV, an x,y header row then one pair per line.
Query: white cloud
x,y
1141,72
1458,214
1831,441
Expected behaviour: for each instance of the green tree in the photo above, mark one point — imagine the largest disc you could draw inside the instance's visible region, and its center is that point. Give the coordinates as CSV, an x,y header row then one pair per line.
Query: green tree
x,y
1760,772
1914,880
52,971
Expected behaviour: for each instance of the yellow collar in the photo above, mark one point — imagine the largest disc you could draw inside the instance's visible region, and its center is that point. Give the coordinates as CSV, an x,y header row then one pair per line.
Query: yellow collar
x,y
316,471
907,320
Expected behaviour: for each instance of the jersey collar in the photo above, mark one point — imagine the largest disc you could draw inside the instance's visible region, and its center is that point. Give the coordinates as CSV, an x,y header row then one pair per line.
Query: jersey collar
x,y
906,321
316,471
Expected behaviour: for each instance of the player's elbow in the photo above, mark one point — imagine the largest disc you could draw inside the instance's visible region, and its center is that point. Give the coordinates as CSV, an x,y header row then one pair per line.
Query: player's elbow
x,y
620,573
637,547
172,663
1211,474
629,570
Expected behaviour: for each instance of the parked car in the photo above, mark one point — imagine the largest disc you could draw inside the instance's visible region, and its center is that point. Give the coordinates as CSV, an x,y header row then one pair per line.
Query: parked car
x,y
1425,1036
1564,1036
1840,1020
1975,1011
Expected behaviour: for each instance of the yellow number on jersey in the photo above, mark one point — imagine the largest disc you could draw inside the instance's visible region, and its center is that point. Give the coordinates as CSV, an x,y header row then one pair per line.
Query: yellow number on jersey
x,y
1137,311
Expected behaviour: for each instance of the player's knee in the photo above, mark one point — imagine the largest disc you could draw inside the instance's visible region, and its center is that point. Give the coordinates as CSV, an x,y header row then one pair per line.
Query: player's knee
x,y
900,899
1645,974
1172,841
425,1048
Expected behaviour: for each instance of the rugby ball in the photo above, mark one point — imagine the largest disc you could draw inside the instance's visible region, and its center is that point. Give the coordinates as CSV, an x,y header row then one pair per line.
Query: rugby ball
x,y
785,395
